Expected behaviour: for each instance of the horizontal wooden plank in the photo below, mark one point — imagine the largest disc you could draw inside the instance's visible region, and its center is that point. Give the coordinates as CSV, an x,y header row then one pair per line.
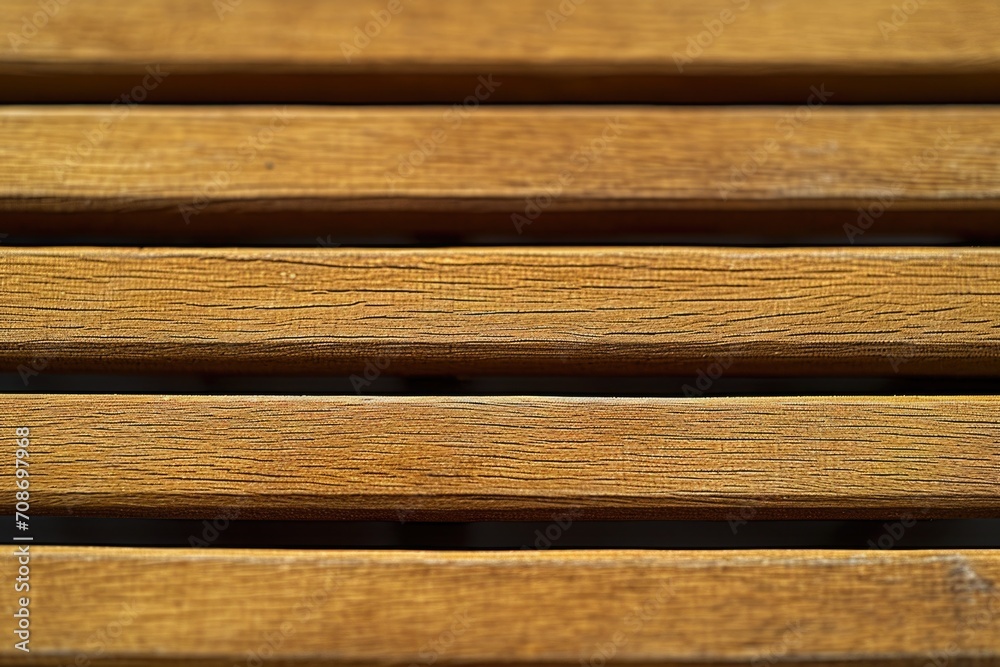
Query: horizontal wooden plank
x,y
213,607
249,171
476,458
543,50
621,311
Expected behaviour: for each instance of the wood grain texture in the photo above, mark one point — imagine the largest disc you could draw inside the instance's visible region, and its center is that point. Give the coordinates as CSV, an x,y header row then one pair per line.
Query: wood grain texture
x,y
474,458
876,311
629,50
554,608
182,169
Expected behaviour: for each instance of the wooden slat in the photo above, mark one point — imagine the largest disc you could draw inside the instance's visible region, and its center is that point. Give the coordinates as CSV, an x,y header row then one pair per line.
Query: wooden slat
x,y
874,311
543,50
508,171
509,457
208,607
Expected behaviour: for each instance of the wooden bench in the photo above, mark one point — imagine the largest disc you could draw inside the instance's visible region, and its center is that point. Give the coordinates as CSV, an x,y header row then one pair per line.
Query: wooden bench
x,y
587,189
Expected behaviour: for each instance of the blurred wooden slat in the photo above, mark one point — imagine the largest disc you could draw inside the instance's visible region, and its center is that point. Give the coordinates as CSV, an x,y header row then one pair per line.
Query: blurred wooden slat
x,y
208,607
263,172
621,311
471,458
543,50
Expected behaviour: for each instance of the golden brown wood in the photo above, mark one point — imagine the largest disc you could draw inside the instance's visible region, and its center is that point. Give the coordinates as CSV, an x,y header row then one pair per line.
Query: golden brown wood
x,y
152,606
509,457
543,50
506,171
875,311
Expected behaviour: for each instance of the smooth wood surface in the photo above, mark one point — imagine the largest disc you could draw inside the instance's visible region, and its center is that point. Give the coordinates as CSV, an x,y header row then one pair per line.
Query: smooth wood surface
x,y
475,458
621,311
557,608
260,170
544,50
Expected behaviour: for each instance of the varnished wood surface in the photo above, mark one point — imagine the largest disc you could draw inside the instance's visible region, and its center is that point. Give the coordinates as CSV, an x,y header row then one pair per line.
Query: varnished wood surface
x,y
872,311
72,174
518,171
152,606
544,50
509,457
